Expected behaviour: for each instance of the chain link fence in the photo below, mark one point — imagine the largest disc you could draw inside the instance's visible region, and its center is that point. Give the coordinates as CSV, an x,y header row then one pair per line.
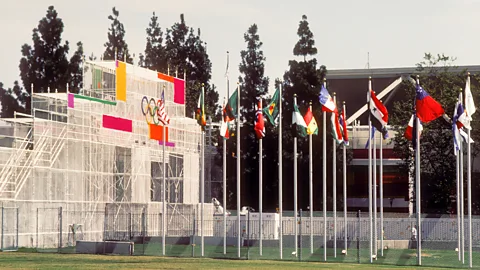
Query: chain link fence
x,y
349,240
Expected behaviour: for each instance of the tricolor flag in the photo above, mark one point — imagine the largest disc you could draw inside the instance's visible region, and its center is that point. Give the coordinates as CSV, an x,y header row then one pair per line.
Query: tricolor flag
x,y
225,128
409,132
272,110
259,122
312,127
297,120
343,124
326,100
469,104
161,113
200,113
231,108
336,128
428,109
378,113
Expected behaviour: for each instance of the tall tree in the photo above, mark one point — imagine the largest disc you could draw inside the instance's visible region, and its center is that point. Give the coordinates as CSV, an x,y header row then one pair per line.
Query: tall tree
x,y
13,99
175,44
75,69
116,40
436,148
155,54
45,64
306,44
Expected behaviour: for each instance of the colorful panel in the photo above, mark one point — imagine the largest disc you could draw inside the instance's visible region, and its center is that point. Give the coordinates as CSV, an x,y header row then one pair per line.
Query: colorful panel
x,y
168,144
165,77
121,81
179,96
156,132
117,123
71,102
108,102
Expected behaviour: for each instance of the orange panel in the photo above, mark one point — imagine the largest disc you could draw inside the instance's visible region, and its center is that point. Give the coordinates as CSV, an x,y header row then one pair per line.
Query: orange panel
x,y
165,77
156,132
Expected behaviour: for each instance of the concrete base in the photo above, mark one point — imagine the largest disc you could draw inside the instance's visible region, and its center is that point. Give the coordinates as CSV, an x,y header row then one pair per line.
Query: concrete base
x,y
108,247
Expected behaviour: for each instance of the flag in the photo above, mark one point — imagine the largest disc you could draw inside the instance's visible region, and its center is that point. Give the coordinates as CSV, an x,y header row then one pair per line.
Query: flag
x,y
461,118
469,104
231,108
225,128
312,127
161,113
428,109
409,131
456,128
326,100
200,114
259,122
298,121
378,113
343,124
372,132
272,110
336,128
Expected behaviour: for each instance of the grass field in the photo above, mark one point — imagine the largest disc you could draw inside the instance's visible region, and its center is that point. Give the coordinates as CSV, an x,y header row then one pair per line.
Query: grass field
x,y
17,260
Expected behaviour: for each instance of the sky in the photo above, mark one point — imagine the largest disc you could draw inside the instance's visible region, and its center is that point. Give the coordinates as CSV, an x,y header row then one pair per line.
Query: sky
x,y
394,33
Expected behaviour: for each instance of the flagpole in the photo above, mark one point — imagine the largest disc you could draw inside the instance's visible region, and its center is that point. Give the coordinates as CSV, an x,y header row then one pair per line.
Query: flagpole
x,y
202,187
381,197
295,202
260,184
324,161
280,182
239,229
462,200
345,183
225,174
310,169
469,190
164,204
417,190
334,175
370,171
374,176
458,205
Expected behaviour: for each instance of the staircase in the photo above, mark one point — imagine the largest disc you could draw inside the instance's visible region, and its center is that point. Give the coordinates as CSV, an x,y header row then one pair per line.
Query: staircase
x,y
17,170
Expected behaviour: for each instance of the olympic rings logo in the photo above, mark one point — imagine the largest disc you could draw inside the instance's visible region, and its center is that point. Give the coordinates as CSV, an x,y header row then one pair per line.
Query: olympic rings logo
x,y
151,110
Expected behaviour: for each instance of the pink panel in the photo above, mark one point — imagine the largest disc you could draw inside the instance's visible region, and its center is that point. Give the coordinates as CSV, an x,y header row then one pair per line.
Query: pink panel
x,y
71,103
179,96
117,123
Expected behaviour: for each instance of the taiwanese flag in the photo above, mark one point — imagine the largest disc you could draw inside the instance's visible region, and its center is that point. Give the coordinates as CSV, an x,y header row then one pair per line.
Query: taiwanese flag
x,y
259,122
428,109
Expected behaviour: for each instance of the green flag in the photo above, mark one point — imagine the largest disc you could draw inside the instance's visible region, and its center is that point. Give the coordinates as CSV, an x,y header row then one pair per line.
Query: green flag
x,y
231,108
298,120
272,110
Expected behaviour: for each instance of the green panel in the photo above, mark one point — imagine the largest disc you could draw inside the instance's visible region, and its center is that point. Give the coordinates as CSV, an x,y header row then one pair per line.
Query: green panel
x,y
108,102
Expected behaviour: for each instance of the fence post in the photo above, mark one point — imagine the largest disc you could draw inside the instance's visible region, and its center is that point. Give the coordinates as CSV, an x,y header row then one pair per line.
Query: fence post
x,y
143,231
358,235
17,230
300,236
60,217
193,235
36,244
3,211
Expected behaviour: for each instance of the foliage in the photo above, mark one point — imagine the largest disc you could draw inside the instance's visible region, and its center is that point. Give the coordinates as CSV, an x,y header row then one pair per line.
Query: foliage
x,y
155,54
306,44
116,47
13,99
438,169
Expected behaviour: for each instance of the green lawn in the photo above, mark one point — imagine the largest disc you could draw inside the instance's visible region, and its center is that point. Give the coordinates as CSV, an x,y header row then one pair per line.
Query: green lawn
x,y
17,260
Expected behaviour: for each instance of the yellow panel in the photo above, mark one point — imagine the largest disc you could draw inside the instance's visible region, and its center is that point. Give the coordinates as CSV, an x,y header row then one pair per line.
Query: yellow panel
x,y
121,81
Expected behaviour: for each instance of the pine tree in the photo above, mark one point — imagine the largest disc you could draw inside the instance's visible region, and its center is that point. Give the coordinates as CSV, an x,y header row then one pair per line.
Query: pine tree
x,y
13,99
75,69
116,40
45,64
155,55
306,44
175,44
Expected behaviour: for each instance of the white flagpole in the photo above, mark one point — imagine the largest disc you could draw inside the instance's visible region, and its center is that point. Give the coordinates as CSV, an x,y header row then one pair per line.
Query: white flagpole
x,y
370,172
374,175
462,200
334,175
469,192
381,197
239,229
310,169
324,181
202,187
459,245
417,190
280,183
345,185
295,203
225,175
164,204
260,192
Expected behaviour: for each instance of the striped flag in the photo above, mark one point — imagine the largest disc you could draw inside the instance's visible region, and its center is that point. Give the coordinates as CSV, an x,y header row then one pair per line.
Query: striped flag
x,y
298,122
259,122
224,129
161,113
336,128
326,100
312,127
343,124
200,114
